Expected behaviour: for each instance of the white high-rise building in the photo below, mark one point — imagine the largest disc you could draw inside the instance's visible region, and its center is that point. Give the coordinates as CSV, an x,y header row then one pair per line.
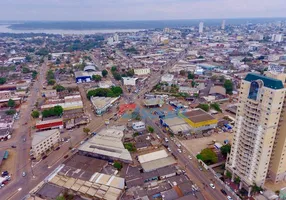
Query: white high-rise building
x,y
116,37
223,25
201,27
277,38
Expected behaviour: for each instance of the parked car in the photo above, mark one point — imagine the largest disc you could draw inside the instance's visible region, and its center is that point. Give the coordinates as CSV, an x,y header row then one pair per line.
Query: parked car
x,y
179,150
223,191
5,173
190,157
212,185
169,149
66,156
13,146
229,197
24,174
44,157
57,148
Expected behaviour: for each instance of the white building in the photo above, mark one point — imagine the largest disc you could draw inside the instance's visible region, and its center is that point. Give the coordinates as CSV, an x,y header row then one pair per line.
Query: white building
x,y
129,81
102,104
277,38
44,141
142,71
223,25
139,126
116,38
168,78
110,41
201,27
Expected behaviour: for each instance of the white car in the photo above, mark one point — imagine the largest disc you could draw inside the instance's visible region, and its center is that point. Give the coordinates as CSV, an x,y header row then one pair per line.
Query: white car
x,y
179,150
169,149
212,186
166,140
229,197
190,157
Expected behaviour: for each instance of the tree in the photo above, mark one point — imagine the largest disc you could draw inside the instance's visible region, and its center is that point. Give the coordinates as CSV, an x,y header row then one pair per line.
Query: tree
x,y
216,107
35,114
150,129
117,76
208,156
130,72
34,74
228,174
130,147
28,58
50,75
228,85
117,165
10,112
2,80
104,73
58,110
191,75
59,88
204,107
222,79
60,198
51,82
237,180
214,77
193,83
182,72
42,52
86,130
11,103
96,77
25,70
225,149
113,68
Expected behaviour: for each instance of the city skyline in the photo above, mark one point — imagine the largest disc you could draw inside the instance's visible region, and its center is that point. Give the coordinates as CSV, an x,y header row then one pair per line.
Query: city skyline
x,y
88,10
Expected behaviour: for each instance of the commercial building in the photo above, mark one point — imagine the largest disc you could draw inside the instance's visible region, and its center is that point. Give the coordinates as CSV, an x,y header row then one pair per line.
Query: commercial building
x,y
168,78
85,76
176,125
142,71
259,142
277,38
50,124
66,106
44,141
102,104
199,120
139,126
129,81
49,93
154,102
107,144
155,160
223,25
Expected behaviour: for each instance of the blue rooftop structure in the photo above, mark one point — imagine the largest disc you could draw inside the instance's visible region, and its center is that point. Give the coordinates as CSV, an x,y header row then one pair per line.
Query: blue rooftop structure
x,y
268,82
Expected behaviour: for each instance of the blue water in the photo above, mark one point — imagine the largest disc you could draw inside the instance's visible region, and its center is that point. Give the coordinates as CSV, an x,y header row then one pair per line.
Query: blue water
x,y
147,24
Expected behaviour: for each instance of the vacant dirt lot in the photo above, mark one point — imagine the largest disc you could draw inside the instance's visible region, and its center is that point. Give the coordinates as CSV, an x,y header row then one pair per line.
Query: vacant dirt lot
x,y
196,145
9,164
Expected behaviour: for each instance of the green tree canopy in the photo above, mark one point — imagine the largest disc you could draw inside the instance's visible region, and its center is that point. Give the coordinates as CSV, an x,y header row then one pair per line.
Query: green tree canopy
x,y
191,75
113,68
28,58
86,130
25,70
114,91
117,165
96,77
150,129
58,110
51,82
216,107
35,114
59,88
104,73
225,149
42,52
55,111
130,72
117,76
228,85
2,80
11,103
204,107
34,74
10,112
130,147
208,156
50,75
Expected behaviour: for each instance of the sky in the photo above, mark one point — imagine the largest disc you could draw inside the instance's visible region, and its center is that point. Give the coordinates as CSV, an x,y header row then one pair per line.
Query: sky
x,y
101,10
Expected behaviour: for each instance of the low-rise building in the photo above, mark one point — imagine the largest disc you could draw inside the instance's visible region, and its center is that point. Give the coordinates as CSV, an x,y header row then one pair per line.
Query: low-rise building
x,y
139,126
168,78
50,93
142,71
44,141
102,104
50,124
129,81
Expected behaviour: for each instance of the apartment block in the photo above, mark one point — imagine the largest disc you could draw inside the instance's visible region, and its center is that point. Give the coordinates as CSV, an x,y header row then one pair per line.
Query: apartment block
x,y
258,146
44,141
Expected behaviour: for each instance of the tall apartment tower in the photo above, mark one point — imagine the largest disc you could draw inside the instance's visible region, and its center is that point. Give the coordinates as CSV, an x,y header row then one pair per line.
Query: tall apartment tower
x,y
223,25
259,141
201,27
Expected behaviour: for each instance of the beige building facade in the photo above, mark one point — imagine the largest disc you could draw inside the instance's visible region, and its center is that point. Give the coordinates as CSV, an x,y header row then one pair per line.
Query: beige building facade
x,y
44,141
257,146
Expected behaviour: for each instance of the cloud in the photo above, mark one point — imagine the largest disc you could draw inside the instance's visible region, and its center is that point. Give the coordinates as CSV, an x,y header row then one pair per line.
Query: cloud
x,y
138,9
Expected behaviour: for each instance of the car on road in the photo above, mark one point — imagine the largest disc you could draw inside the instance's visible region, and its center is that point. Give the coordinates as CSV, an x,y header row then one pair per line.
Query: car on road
x,y
24,140
13,146
66,156
57,148
166,139
190,157
212,185
23,174
5,173
179,150
223,191
44,157
229,197
200,168
169,149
